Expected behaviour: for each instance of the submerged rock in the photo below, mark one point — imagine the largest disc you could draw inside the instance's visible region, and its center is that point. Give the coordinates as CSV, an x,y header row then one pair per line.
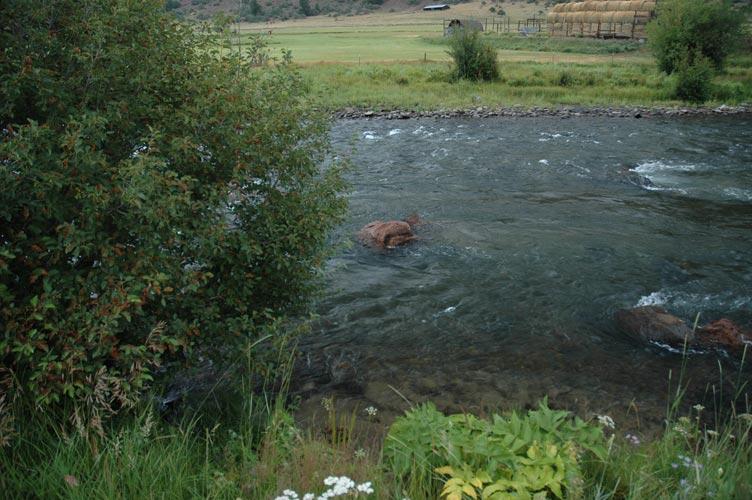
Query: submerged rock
x,y
653,323
724,333
389,234
343,370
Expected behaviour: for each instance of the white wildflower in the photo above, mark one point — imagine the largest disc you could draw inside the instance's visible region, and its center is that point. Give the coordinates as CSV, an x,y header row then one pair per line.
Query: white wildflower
x,y
606,421
371,411
711,433
698,408
328,403
632,439
365,487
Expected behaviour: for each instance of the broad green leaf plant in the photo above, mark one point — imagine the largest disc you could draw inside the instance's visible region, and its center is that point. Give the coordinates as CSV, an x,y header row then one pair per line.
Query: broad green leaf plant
x,y
536,455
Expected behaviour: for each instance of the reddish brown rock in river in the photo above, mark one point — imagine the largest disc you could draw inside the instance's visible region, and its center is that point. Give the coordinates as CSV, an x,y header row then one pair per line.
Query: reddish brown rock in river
x,y
654,323
388,234
724,333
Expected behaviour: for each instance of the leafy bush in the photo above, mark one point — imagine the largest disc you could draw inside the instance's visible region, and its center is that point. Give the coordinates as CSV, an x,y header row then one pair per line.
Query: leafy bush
x,y
521,455
710,29
474,58
693,79
565,79
156,194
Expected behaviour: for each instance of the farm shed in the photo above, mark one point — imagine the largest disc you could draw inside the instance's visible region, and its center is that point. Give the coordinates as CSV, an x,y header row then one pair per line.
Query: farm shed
x,y
440,6
462,24
601,18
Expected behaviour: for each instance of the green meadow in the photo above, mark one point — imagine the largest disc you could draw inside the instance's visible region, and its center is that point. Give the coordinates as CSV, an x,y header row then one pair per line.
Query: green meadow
x,y
406,66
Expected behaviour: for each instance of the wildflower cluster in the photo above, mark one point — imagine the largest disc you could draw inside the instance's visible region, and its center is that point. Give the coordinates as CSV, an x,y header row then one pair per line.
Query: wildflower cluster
x,y
687,462
328,403
338,487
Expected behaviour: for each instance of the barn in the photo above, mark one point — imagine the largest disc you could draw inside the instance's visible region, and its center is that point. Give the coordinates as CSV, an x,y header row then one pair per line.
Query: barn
x,y
601,18
439,6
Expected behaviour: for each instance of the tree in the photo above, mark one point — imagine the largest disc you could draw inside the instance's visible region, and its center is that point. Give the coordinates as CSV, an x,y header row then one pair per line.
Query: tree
x,y
156,195
305,8
686,29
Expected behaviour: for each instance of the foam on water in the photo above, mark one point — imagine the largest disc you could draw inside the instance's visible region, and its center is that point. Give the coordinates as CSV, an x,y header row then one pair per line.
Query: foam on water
x,y
696,302
657,166
738,193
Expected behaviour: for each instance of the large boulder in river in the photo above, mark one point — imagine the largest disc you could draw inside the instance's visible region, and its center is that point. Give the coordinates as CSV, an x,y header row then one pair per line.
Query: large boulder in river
x,y
654,323
724,333
387,234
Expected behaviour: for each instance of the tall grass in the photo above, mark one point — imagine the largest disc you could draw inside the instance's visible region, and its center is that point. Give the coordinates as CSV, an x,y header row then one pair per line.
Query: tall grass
x,y
258,450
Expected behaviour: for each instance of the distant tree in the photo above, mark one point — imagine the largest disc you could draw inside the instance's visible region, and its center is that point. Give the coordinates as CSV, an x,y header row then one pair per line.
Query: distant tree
x,y
255,8
305,8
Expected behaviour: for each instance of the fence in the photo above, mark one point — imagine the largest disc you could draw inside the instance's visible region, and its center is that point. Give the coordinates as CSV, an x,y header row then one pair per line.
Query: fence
x,y
505,24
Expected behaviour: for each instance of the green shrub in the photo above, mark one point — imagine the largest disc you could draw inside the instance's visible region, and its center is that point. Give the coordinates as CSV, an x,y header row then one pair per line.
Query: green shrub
x,y
156,194
696,27
516,455
474,58
693,79
565,79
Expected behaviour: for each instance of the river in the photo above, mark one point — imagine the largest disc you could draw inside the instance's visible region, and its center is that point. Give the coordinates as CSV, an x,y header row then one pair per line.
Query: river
x,y
536,231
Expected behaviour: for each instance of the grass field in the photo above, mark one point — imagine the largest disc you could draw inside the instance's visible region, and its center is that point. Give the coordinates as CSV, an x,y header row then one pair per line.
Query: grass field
x,y
400,61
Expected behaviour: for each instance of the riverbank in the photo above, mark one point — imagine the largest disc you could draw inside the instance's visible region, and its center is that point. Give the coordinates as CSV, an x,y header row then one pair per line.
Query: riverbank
x,y
533,81
536,111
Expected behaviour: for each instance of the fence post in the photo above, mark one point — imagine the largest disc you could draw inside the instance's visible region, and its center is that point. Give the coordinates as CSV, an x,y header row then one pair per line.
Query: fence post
x,y
634,20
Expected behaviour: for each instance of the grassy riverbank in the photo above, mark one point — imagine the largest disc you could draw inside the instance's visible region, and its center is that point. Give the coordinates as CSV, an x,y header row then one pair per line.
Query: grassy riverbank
x,y
259,452
528,78
627,80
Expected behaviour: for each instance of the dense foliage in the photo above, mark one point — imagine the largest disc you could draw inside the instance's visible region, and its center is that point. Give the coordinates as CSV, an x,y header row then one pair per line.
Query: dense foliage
x,y
504,457
474,58
156,194
685,30
693,79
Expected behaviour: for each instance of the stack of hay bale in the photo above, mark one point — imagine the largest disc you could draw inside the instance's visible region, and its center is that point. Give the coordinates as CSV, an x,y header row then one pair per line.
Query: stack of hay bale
x,y
601,18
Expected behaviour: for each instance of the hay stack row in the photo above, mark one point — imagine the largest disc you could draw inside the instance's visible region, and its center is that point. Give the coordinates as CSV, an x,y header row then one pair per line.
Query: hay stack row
x,y
601,11
616,16
605,6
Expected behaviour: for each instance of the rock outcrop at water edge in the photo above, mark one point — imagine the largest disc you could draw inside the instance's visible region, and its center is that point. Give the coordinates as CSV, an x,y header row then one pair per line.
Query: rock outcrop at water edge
x,y
653,323
724,333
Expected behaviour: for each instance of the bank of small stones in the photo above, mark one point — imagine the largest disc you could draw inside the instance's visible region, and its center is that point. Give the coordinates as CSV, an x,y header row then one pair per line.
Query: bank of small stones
x,y
561,112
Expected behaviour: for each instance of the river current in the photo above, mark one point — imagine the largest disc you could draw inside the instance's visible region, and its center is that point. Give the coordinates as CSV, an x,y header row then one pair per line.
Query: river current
x,y
536,231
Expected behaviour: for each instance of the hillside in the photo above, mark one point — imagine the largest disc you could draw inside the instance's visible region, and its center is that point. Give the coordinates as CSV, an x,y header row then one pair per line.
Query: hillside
x,y
280,10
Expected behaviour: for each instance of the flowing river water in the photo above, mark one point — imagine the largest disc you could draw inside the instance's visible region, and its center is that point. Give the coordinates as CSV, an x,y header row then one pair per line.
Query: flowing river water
x,y
537,230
